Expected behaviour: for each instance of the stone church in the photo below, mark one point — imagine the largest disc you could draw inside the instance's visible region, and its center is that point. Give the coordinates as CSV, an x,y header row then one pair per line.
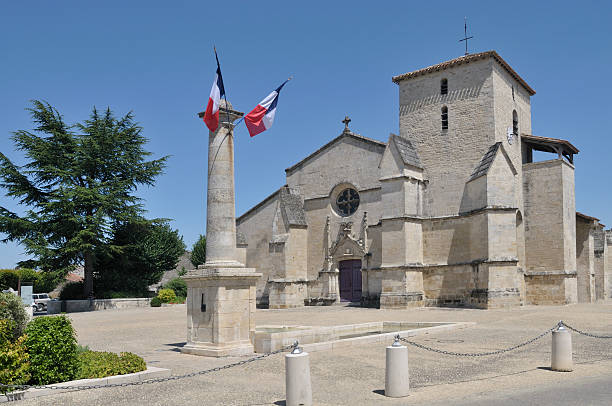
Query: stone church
x,y
452,211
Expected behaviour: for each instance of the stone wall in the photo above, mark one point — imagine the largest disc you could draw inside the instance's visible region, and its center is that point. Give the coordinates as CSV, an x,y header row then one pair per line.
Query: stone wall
x,y
549,216
448,156
608,266
550,289
75,306
585,260
316,175
453,285
256,226
287,295
600,258
455,239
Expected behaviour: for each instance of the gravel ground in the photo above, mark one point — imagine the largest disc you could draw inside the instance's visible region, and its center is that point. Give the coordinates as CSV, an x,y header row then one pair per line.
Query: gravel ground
x,y
354,375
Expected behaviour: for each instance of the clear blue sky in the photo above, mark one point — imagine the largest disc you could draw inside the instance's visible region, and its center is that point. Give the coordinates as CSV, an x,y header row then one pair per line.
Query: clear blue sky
x,y
155,58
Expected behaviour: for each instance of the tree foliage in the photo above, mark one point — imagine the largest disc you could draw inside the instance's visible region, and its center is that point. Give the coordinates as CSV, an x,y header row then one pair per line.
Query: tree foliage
x,y
147,250
198,252
78,181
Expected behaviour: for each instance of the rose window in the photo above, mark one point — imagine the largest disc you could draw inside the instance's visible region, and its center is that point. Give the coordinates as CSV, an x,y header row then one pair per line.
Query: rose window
x,y
347,202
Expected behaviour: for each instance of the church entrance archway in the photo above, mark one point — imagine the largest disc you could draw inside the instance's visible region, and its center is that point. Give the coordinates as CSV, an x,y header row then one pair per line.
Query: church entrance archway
x,y
350,280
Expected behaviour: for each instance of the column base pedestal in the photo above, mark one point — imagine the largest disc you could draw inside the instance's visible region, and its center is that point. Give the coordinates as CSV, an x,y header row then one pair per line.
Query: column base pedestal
x,y
218,350
220,311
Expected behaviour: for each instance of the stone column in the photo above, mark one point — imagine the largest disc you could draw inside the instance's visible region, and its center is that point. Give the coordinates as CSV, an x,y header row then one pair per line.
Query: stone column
x,y
221,294
220,206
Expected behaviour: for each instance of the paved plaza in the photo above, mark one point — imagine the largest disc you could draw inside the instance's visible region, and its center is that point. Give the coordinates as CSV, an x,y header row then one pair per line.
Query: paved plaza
x,y
355,375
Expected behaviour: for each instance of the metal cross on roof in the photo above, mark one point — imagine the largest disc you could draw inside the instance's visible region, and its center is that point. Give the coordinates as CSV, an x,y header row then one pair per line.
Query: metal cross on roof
x,y
346,122
465,37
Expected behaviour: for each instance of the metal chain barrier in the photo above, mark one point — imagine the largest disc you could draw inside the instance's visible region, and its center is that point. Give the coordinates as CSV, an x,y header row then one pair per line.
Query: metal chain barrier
x,y
156,380
476,354
582,332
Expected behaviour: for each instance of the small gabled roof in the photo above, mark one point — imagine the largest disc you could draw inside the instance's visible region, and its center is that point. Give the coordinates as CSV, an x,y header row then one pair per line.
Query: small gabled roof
x,y
466,59
291,203
407,151
345,134
585,217
487,160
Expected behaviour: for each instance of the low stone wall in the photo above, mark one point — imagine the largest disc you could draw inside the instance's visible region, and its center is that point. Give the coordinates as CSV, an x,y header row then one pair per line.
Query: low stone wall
x,y
73,306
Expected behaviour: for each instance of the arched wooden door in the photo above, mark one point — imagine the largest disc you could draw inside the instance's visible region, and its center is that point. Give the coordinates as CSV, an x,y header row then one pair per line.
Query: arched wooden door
x,y
350,280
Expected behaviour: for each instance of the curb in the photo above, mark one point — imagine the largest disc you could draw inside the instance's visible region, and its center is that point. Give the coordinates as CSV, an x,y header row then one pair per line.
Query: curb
x,y
149,373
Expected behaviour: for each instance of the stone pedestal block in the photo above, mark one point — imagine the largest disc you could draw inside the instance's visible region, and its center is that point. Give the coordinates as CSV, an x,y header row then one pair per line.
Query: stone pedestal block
x,y
220,311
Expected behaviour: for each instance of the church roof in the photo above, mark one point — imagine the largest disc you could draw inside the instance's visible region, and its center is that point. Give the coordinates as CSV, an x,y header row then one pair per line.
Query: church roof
x,y
485,163
292,204
466,59
406,149
334,141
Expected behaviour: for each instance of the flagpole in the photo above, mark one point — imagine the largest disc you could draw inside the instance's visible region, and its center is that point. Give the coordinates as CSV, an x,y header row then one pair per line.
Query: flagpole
x,y
224,91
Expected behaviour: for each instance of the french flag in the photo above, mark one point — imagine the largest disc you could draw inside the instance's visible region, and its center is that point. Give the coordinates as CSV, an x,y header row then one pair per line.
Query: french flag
x,y
211,116
261,117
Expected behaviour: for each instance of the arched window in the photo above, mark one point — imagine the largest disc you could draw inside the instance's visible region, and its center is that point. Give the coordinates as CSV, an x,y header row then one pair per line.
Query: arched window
x,y
444,86
515,128
444,118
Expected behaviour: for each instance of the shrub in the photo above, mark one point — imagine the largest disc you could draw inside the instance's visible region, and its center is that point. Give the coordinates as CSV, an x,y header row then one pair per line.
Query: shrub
x,y
14,365
95,364
166,295
156,302
11,308
178,285
72,291
52,345
198,252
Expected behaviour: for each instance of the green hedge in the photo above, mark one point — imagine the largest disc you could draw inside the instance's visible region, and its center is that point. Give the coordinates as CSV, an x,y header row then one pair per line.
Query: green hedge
x,y
52,345
11,308
42,282
95,364
72,291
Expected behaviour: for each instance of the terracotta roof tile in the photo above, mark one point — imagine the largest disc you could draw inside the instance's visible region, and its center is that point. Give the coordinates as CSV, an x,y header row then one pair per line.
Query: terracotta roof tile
x,y
466,59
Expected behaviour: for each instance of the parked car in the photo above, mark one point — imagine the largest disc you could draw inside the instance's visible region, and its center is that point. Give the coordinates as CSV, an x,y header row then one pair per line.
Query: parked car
x,y
40,301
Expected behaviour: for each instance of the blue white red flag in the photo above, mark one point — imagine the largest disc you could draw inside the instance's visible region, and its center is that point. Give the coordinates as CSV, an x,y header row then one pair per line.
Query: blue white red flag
x,y
261,117
211,116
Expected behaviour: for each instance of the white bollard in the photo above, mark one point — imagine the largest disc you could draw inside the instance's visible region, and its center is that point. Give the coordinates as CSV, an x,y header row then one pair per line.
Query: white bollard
x,y
561,356
297,378
397,380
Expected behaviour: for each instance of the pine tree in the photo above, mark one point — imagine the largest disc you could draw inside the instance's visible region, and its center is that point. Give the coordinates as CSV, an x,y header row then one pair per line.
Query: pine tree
x,y
79,180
